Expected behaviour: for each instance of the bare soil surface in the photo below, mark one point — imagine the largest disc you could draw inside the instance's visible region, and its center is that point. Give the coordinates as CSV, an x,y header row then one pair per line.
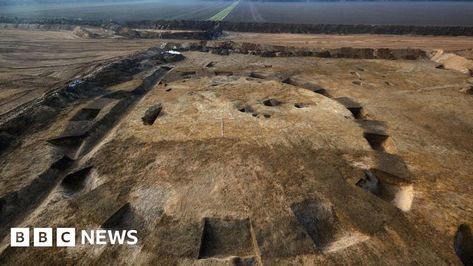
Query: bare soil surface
x,y
356,41
34,62
242,160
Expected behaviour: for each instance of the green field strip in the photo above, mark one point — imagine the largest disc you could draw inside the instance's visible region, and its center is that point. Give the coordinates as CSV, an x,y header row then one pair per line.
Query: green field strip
x,y
222,14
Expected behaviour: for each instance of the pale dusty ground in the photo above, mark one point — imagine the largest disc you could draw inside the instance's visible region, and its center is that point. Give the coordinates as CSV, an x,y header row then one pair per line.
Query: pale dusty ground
x,y
200,198
356,41
34,62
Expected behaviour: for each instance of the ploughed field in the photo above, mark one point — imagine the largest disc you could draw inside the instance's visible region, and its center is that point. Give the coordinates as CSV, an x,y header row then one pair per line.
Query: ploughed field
x,y
383,13
233,153
122,11
32,63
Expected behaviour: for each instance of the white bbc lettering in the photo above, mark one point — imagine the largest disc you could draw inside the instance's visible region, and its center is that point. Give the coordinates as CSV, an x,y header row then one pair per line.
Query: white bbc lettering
x,y
42,237
132,235
100,237
86,237
65,237
117,236
20,237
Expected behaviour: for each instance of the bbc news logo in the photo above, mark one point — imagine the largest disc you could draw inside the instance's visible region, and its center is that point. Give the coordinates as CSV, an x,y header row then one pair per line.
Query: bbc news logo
x,y
66,237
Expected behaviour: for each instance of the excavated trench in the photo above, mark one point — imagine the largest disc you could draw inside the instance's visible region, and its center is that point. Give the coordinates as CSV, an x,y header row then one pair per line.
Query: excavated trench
x,y
152,114
324,226
272,102
120,219
228,47
391,188
354,107
376,141
463,244
227,237
246,109
318,220
75,181
17,204
83,132
86,114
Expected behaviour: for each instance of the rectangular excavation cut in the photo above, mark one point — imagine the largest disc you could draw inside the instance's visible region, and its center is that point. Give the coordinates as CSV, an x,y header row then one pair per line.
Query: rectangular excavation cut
x,y
463,244
375,133
226,237
73,135
68,141
120,219
354,107
325,227
398,191
390,180
175,238
259,75
86,114
151,114
223,73
306,85
75,180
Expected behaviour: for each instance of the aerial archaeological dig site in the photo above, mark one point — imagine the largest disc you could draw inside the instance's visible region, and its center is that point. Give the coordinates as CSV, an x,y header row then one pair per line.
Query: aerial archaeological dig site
x,y
230,153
